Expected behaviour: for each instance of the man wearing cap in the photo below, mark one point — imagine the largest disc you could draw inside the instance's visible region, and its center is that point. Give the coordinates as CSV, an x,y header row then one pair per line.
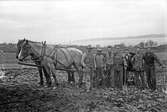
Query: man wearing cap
x,y
149,67
138,67
88,63
99,62
118,68
109,58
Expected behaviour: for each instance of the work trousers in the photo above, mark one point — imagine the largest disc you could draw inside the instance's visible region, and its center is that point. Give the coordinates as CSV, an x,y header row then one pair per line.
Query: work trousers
x,y
109,76
118,76
89,77
151,77
125,76
140,79
98,77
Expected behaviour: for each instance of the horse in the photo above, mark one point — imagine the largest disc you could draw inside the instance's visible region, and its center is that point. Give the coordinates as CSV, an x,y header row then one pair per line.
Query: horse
x,y
41,70
54,57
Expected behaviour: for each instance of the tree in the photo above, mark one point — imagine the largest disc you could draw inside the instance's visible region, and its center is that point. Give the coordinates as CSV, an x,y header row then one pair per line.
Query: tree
x,y
121,45
151,43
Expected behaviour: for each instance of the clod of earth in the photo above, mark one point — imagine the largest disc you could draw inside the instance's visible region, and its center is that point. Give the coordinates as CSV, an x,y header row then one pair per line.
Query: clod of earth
x,y
20,93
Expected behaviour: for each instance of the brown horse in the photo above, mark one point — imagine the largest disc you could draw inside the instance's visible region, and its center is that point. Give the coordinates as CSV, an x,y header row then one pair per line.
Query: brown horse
x,y
41,70
54,57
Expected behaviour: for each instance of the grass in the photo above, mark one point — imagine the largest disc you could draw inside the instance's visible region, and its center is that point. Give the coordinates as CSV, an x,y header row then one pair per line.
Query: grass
x,y
8,58
9,61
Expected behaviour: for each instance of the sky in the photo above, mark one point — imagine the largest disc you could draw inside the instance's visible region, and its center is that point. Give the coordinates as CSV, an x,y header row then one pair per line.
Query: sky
x,y
65,21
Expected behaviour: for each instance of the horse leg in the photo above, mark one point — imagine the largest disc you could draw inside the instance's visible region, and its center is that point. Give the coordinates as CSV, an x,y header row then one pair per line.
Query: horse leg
x,y
41,76
80,78
72,77
69,76
47,75
53,71
80,73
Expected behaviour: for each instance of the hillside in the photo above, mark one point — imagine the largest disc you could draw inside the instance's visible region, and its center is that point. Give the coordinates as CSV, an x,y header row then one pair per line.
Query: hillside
x,y
128,37
160,48
127,40
11,48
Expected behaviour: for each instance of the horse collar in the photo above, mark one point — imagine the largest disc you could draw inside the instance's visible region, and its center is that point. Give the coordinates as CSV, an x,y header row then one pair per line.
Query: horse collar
x,y
43,50
40,58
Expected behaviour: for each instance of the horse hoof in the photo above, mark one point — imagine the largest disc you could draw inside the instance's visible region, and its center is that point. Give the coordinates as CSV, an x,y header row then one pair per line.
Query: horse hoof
x,y
45,86
40,84
88,90
54,88
72,83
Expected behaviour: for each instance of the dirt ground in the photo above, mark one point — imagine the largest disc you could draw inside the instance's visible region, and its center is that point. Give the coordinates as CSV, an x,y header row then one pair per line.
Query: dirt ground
x,y
20,92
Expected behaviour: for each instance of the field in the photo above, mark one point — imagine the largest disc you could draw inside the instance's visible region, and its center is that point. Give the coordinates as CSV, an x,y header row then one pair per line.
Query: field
x,y
20,92
9,61
8,58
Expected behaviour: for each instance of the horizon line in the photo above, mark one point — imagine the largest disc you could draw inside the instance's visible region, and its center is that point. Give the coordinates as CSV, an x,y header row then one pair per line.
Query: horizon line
x,y
124,37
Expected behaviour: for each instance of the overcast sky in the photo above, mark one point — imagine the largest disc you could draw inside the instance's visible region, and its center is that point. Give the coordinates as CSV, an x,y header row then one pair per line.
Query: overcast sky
x,y
62,21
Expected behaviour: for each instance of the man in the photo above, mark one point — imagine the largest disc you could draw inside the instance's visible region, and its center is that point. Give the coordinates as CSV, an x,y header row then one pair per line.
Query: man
x,y
109,58
149,67
99,62
118,68
138,67
88,63
125,66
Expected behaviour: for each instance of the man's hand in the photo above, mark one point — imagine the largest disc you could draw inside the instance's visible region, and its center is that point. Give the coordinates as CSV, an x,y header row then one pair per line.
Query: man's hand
x,y
84,65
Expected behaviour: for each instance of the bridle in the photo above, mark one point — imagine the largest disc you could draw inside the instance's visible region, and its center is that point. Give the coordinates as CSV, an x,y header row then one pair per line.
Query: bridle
x,y
38,59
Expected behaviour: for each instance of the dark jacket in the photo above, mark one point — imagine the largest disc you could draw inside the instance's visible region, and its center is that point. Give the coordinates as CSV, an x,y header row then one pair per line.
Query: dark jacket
x,y
150,58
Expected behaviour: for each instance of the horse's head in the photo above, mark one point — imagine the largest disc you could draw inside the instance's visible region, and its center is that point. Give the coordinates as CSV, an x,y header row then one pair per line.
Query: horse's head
x,y
19,44
24,49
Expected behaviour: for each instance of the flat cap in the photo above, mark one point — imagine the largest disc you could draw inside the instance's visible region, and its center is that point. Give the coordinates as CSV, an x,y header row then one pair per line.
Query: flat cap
x,y
109,46
89,47
99,49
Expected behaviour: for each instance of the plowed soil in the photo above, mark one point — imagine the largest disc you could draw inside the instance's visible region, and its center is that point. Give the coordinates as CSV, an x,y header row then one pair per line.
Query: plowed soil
x,y
20,92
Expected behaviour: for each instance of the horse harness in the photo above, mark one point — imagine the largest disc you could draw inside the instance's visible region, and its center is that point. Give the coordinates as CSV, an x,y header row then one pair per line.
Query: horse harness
x,y
39,59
